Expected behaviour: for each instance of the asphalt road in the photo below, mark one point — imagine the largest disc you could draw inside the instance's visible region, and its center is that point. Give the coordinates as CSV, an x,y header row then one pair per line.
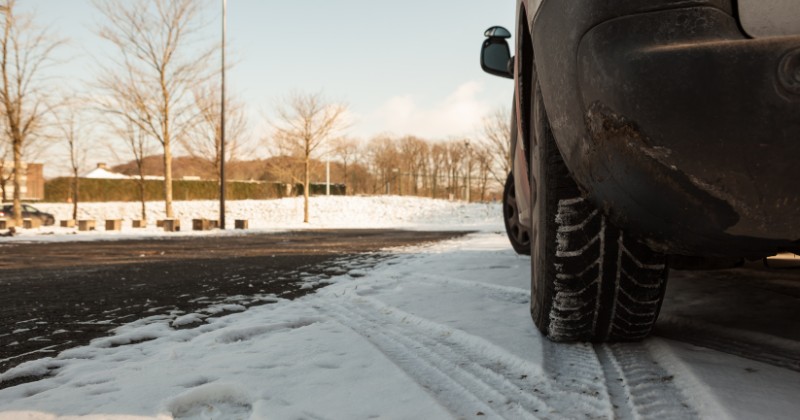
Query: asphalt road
x,y
55,296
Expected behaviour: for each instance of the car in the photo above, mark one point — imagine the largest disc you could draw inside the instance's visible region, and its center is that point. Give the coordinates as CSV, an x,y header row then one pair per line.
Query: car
x,y
518,234
28,212
650,133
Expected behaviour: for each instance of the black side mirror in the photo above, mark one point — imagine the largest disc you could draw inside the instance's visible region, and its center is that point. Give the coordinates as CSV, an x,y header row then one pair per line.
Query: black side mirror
x,y
495,54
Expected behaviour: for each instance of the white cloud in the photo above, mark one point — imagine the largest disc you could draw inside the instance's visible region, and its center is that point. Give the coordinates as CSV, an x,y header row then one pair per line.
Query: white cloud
x,y
457,114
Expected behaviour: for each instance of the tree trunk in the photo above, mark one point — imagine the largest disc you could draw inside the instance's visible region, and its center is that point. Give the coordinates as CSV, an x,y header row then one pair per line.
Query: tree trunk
x,y
168,180
75,196
17,185
142,196
345,178
434,183
306,187
141,181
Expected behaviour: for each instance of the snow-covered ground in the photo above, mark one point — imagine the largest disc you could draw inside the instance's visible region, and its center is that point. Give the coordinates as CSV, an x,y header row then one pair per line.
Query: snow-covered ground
x,y
438,332
271,215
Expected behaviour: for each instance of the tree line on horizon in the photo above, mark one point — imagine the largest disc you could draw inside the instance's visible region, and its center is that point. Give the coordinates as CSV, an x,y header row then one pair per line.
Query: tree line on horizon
x,y
385,164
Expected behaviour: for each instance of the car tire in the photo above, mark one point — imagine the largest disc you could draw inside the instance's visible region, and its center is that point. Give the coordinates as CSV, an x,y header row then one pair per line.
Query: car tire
x,y
590,281
518,235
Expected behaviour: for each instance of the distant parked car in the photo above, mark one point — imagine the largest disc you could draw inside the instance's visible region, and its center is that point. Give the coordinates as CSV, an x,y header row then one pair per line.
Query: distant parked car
x,y
28,212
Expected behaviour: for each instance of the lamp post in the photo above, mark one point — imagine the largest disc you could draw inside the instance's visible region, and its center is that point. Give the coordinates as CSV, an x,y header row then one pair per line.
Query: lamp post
x,y
327,177
222,123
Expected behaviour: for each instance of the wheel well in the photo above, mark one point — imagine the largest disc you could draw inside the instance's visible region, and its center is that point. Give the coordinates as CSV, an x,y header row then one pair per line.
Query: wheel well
x,y
525,79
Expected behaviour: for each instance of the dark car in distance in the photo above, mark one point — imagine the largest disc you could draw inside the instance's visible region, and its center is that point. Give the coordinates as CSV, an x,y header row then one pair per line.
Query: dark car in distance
x,y
646,133
28,212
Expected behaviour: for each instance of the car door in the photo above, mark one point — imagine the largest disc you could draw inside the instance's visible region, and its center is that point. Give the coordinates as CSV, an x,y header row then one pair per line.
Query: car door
x,y
29,212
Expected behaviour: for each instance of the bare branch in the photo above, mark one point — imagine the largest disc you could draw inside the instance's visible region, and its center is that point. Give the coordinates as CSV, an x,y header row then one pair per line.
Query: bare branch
x,y
204,139
150,82
497,134
305,124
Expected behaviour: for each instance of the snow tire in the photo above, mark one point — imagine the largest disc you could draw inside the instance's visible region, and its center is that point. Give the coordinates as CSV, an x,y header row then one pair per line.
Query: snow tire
x,y
590,281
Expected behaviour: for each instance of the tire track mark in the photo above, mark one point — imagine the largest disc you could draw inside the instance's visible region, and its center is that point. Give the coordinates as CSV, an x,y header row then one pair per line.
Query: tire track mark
x,y
639,387
504,293
615,384
467,374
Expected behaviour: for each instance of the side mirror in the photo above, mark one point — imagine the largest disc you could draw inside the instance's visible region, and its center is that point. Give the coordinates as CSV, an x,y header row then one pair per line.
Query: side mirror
x,y
495,54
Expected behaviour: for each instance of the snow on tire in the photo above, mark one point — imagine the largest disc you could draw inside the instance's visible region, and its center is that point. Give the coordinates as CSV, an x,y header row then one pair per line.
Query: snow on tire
x,y
590,281
607,285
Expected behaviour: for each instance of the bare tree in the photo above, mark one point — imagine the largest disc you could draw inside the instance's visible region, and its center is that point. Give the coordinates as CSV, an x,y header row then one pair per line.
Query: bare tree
x,y
484,161
140,146
383,156
497,134
454,159
151,80
346,149
413,154
25,51
73,128
438,160
306,122
204,140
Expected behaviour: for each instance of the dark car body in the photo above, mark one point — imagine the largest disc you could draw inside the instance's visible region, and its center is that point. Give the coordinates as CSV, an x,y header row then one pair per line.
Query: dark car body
x,y
28,212
652,134
675,122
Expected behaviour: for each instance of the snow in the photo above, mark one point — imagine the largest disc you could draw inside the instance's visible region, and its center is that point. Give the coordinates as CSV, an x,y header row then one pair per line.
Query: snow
x,y
326,212
439,331
103,173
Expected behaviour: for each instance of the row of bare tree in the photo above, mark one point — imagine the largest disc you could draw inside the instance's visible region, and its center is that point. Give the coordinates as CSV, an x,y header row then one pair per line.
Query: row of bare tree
x,y
409,165
155,91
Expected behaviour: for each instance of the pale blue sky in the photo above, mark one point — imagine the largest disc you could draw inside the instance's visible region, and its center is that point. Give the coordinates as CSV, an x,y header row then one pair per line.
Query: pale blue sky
x,y
404,67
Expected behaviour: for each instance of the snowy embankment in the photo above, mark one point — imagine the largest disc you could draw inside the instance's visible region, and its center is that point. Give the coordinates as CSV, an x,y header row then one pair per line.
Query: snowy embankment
x,y
438,332
270,215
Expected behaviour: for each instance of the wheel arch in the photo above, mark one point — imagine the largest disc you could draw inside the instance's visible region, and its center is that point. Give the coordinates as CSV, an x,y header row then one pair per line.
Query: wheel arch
x,y
523,77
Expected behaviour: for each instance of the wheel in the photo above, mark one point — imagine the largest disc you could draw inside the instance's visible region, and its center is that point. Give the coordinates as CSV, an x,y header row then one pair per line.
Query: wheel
x,y
590,281
518,234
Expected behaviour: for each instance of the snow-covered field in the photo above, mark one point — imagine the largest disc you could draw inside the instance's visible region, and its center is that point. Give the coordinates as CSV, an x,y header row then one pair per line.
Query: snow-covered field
x,y
438,332
273,215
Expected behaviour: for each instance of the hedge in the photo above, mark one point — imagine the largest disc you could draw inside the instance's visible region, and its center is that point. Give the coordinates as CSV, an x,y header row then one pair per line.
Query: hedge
x,y
103,190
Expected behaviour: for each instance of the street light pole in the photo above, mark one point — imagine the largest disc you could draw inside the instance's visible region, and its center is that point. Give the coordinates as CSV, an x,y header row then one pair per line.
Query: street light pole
x,y
222,123
327,177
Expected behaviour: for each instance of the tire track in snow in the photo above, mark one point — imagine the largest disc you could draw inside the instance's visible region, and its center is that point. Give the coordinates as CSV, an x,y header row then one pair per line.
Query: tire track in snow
x,y
615,384
576,368
468,375
504,293
625,373
639,388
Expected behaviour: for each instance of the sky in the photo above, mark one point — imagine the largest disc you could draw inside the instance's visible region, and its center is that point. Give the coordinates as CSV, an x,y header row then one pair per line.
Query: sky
x,y
402,67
